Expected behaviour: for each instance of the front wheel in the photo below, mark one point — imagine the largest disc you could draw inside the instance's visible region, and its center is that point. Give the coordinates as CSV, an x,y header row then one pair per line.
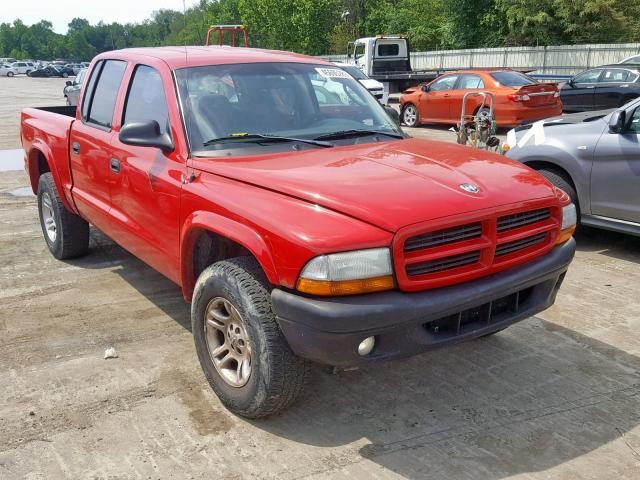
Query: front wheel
x,y
241,349
65,74
9,74
410,115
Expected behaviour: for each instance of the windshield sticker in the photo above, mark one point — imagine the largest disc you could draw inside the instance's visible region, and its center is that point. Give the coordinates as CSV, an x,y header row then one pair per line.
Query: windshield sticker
x,y
332,73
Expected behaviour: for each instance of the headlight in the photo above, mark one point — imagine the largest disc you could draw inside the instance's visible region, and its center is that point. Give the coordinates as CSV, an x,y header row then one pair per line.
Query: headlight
x,y
569,220
348,273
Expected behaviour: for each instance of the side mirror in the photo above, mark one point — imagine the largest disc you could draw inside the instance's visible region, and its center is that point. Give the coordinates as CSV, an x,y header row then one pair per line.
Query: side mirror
x,y
425,88
570,82
393,113
146,134
617,121
68,83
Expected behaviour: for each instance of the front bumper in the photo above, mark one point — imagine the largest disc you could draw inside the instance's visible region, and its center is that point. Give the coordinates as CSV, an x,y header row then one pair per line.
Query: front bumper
x,y
328,330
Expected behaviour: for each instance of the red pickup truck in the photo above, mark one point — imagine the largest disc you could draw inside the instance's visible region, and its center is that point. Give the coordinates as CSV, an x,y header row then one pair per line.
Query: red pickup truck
x,y
300,221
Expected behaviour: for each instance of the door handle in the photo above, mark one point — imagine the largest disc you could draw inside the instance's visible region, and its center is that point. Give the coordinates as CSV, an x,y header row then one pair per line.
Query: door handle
x,y
75,148
115,165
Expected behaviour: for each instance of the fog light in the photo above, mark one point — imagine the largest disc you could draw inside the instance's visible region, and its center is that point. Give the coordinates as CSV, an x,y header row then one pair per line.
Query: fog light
x,y
366,346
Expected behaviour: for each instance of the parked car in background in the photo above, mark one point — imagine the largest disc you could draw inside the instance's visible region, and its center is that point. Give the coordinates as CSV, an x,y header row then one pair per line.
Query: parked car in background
x,y
73,67
608,86
518,98
51,71
23,68
374,86
72,89
594,157
7,60
632,59
7,71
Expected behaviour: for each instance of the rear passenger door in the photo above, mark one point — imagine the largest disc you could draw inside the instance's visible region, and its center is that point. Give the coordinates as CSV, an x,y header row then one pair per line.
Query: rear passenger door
x,y
90,143
466,83
146,181
578,94
615,88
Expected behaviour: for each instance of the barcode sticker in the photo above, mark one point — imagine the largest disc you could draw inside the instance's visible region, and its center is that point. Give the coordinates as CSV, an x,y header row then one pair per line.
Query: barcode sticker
x,y
332,73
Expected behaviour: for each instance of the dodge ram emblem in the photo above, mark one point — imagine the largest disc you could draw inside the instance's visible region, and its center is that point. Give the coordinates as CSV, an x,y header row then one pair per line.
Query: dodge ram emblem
x,y
470,187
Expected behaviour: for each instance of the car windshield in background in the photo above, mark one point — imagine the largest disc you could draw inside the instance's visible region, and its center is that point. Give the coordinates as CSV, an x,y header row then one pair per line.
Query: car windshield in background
x,y
355,72
512,79
229,107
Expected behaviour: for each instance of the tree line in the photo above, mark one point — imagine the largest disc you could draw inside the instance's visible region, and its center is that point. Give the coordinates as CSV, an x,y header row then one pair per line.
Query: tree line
x,y
325,26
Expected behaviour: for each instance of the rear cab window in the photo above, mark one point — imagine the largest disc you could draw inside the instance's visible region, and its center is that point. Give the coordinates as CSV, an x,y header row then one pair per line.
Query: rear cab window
x,y
388,50
102,91
512,79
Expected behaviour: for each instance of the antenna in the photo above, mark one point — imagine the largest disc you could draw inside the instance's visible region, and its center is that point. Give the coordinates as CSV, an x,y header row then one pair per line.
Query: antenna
x,y
186,105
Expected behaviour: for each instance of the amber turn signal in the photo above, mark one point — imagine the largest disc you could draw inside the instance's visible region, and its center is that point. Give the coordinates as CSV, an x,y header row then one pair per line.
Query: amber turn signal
x,y
565,234
345,287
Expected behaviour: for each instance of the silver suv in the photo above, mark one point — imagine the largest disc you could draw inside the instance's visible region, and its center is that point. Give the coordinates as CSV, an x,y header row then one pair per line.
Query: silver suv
x,y
594,157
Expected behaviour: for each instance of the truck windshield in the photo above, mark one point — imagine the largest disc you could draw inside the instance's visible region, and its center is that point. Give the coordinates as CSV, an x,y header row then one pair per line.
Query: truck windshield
x,y
294,100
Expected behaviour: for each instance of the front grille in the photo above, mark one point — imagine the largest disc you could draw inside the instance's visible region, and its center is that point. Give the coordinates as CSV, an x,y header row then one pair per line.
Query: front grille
x,y
441,264
480,316
523,243
520,219
442,237
460,252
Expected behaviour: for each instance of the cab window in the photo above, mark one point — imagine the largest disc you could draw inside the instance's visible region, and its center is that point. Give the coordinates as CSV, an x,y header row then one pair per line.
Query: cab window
x,y
470,81
146,99
388,50
590,76
104,95
359,50
616,75
444,83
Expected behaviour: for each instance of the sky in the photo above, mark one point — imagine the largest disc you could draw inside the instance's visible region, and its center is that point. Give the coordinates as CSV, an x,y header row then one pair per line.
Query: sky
x,y
60,12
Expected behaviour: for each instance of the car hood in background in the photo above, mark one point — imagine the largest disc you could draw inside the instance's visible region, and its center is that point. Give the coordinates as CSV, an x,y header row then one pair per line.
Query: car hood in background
x,y
391,184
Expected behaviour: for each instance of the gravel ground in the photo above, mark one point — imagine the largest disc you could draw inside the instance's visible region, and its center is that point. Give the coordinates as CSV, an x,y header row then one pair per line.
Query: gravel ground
x,y
556,396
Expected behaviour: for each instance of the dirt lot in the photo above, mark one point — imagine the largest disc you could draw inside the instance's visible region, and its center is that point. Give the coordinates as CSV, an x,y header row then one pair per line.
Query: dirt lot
x,y
556,396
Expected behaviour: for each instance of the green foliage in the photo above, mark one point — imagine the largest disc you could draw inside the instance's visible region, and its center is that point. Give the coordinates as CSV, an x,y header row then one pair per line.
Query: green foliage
x,y
325,26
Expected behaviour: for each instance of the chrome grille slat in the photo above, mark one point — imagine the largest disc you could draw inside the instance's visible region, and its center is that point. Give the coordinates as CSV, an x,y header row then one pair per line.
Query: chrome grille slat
x,y
446,263
443,237
520,219
521,244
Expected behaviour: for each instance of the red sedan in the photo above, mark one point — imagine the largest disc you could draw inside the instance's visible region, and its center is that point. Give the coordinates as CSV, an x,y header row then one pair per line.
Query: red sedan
x,y
518,98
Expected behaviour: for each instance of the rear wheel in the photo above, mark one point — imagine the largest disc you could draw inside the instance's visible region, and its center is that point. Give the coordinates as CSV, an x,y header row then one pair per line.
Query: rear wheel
x,y
65,74
66,234
410,115
241,349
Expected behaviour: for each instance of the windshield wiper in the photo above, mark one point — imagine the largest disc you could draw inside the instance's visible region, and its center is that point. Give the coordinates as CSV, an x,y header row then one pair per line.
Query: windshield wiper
x,y
259,138
357,133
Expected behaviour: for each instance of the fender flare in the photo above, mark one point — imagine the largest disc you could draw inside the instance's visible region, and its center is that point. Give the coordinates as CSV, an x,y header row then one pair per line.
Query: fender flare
x,y
200,220
41,148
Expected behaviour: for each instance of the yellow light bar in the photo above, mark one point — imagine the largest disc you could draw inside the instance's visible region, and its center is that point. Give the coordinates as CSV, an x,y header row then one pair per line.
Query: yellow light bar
x,y
345,287
565,234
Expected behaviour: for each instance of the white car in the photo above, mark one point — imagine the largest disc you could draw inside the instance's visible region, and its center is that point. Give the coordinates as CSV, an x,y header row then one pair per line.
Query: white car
x,y
632,59
375,87
6,71
23,68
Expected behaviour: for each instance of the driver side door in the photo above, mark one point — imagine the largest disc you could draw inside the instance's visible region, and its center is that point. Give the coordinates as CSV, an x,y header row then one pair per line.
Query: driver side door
x,y
615,177
435,105
578,94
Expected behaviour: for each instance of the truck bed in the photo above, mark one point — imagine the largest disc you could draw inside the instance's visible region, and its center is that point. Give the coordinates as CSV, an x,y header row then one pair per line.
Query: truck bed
x,y
47,129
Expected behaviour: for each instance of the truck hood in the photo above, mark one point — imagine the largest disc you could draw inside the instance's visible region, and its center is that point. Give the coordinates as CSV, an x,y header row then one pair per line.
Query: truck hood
x,y
390,184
